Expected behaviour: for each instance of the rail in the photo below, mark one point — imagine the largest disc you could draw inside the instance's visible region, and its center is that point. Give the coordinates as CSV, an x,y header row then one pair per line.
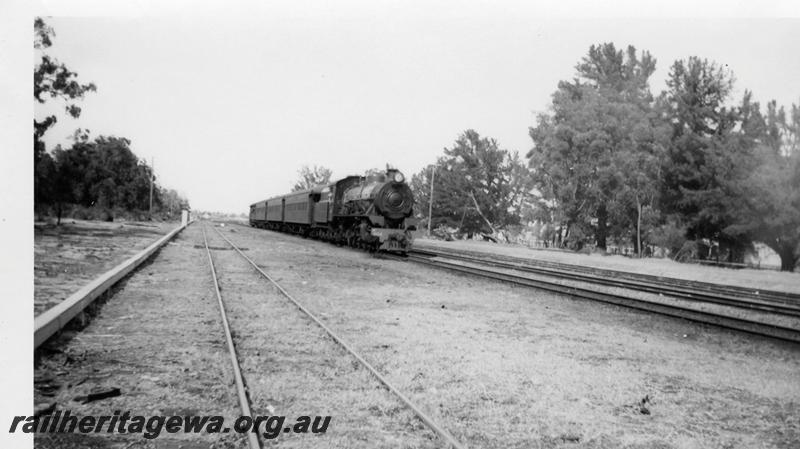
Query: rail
x,y
767,301
440,431
244,402
739,324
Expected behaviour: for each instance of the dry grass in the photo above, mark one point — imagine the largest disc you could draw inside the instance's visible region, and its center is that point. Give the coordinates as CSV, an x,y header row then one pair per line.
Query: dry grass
x,y
724,310
69,256
159,340
294,369
498,366
502,366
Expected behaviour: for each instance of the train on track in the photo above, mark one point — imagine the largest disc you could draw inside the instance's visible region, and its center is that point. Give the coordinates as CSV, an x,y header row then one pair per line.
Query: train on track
x,y
370,212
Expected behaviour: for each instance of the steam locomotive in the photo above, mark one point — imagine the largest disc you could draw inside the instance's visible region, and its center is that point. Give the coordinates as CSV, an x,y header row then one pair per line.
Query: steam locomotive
x,y
369,212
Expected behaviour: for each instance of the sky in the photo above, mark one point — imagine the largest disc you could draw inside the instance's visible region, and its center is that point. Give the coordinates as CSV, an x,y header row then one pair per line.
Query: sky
x,y
229,102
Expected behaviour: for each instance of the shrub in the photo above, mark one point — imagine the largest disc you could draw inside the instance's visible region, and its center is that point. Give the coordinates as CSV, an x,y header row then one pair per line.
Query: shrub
x,y
672,237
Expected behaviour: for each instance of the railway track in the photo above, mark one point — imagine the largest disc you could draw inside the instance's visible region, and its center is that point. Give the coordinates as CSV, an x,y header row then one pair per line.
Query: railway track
x,y
244,398
253,440
517,273
783,303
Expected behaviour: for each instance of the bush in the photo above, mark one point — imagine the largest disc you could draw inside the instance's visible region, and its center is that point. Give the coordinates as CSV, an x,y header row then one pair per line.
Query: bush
x,y
79,213
672,237
98,213
690,250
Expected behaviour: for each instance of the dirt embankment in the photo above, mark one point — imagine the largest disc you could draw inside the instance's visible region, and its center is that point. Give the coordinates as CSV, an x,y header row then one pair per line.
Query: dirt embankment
x,y
69,256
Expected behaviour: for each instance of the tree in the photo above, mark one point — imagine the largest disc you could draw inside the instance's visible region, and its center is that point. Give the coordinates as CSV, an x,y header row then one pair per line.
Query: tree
x,y
732,174
764,200
103,174
375,171
51,79
600,149
711,147
478,186
639,171
311,177
171,202
792,131
421,187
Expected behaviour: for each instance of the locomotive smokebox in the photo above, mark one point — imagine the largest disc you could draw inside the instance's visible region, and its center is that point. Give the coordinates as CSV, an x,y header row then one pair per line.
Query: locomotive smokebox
x,y
394,200
384,195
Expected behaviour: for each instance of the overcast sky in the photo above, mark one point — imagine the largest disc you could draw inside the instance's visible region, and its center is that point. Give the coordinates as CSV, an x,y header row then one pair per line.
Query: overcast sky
x,y
232,102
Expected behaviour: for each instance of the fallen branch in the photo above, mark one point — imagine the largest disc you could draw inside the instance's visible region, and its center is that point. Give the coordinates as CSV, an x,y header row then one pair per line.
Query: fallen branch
x,y
478,209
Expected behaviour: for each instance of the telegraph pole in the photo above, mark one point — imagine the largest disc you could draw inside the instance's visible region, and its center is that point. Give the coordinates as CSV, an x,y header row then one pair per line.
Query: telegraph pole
x,y
152,176
430,203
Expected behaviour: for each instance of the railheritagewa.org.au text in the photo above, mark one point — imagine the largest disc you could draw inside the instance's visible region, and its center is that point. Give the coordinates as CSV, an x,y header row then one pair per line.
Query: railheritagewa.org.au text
x,y
151,427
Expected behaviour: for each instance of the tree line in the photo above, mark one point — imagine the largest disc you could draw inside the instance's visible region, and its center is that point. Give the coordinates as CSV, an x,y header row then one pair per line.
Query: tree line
x,y
96,178
692,170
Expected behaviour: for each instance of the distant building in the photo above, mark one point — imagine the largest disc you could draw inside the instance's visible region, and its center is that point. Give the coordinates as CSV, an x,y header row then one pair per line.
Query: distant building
x,y
763,256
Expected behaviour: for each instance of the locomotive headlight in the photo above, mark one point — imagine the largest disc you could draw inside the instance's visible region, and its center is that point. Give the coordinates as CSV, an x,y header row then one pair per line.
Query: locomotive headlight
x,y
398,177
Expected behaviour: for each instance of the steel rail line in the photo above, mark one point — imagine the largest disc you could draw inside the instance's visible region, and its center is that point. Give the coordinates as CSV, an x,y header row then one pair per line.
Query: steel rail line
x,y
444,434
663,287
750,298
244,402
739,324
777,296
744,292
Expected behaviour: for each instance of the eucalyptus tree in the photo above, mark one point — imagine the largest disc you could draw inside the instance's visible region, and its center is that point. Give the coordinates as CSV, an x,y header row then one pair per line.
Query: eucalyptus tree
x,y
598,153
311,176
478,186
51,80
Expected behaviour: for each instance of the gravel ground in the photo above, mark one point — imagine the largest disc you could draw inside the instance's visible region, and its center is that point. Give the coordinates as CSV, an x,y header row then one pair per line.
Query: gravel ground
x,y
498,366
503,366
158,339
720,309
746,277
69,256
292,368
